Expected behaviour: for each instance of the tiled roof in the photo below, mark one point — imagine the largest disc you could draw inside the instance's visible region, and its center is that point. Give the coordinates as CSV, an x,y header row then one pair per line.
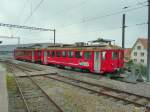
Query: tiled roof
x,y
144,42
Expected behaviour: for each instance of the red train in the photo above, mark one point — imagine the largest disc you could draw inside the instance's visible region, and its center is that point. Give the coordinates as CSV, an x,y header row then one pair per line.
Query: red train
x,y
96,59
28,54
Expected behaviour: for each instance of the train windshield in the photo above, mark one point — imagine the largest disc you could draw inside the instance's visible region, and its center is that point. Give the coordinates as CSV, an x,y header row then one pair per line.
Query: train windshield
x,y
114,55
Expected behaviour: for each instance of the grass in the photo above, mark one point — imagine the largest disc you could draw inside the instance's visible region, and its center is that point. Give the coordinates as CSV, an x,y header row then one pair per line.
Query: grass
x,y
11,84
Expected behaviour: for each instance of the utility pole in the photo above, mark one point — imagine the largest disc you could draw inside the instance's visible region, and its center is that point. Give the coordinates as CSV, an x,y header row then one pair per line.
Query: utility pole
x,y
18,41
148,51
123,30
54,36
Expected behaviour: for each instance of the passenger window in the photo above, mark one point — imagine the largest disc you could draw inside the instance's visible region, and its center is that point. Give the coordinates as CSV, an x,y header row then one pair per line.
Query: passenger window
x,y
64,53
23,52
48,53
58,54
103,55
70,54
53,53
87,55
114,55
78,54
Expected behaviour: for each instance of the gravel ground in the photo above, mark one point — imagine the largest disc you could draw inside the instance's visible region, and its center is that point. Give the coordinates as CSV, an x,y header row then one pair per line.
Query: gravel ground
x,y
73,99
142,88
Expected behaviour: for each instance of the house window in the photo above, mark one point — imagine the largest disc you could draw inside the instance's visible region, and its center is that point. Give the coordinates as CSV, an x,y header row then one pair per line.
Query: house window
x,y
142,54
135,53
135,60
142,60
138,47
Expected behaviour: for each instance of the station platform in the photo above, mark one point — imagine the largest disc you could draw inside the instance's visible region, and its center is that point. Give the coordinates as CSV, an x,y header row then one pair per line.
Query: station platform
x,y
3,91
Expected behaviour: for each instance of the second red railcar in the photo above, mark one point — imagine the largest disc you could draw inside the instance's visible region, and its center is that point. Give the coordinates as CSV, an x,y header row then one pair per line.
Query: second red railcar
x,y
28,54
94,59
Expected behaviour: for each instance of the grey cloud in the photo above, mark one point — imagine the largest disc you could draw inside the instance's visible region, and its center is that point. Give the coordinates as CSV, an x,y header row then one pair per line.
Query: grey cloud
x,y
66,15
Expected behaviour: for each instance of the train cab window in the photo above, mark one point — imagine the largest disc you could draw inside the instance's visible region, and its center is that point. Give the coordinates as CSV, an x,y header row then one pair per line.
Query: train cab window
x,y
48,53
114,55
78,54
39,53
87,55
58,53
103,55
53,53
70,54
64,53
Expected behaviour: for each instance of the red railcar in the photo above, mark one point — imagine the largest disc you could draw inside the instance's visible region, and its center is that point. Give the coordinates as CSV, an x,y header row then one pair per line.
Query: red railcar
x,y
28,54
94,59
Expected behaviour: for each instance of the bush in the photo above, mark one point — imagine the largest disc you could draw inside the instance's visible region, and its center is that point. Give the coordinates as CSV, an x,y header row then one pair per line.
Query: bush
x,y
141,69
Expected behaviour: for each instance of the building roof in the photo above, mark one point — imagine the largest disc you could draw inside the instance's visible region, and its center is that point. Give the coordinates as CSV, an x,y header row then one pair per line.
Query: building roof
x,y
144,42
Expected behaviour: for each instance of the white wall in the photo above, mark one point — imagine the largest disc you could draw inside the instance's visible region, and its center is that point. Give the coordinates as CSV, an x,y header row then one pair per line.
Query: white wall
x,y
139,57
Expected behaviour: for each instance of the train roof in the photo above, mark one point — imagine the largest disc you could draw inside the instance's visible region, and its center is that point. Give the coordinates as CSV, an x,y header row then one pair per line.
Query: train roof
x,y
110,47
23,48
73,47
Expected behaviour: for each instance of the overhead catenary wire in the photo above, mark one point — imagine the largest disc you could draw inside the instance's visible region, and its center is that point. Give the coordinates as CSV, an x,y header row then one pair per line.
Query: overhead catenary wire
x,y
105,16
137,4
104,30
127,9
71,7
22,10
34,10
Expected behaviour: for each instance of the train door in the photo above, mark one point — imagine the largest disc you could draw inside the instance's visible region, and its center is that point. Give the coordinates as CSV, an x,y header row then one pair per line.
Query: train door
x,y
45,57
32,56
97,62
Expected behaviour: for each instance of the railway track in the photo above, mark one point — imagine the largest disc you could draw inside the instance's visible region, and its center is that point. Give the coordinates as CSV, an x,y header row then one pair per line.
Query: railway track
x,y
34,97
126,97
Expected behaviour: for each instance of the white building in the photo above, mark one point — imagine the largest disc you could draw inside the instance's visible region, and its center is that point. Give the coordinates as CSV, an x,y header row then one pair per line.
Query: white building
x,y
139,51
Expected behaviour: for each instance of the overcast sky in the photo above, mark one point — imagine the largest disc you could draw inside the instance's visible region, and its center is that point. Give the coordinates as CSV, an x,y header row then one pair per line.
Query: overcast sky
x,y
74,20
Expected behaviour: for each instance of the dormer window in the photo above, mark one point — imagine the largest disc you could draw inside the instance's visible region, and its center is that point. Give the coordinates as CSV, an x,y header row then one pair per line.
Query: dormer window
x,y
138,47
